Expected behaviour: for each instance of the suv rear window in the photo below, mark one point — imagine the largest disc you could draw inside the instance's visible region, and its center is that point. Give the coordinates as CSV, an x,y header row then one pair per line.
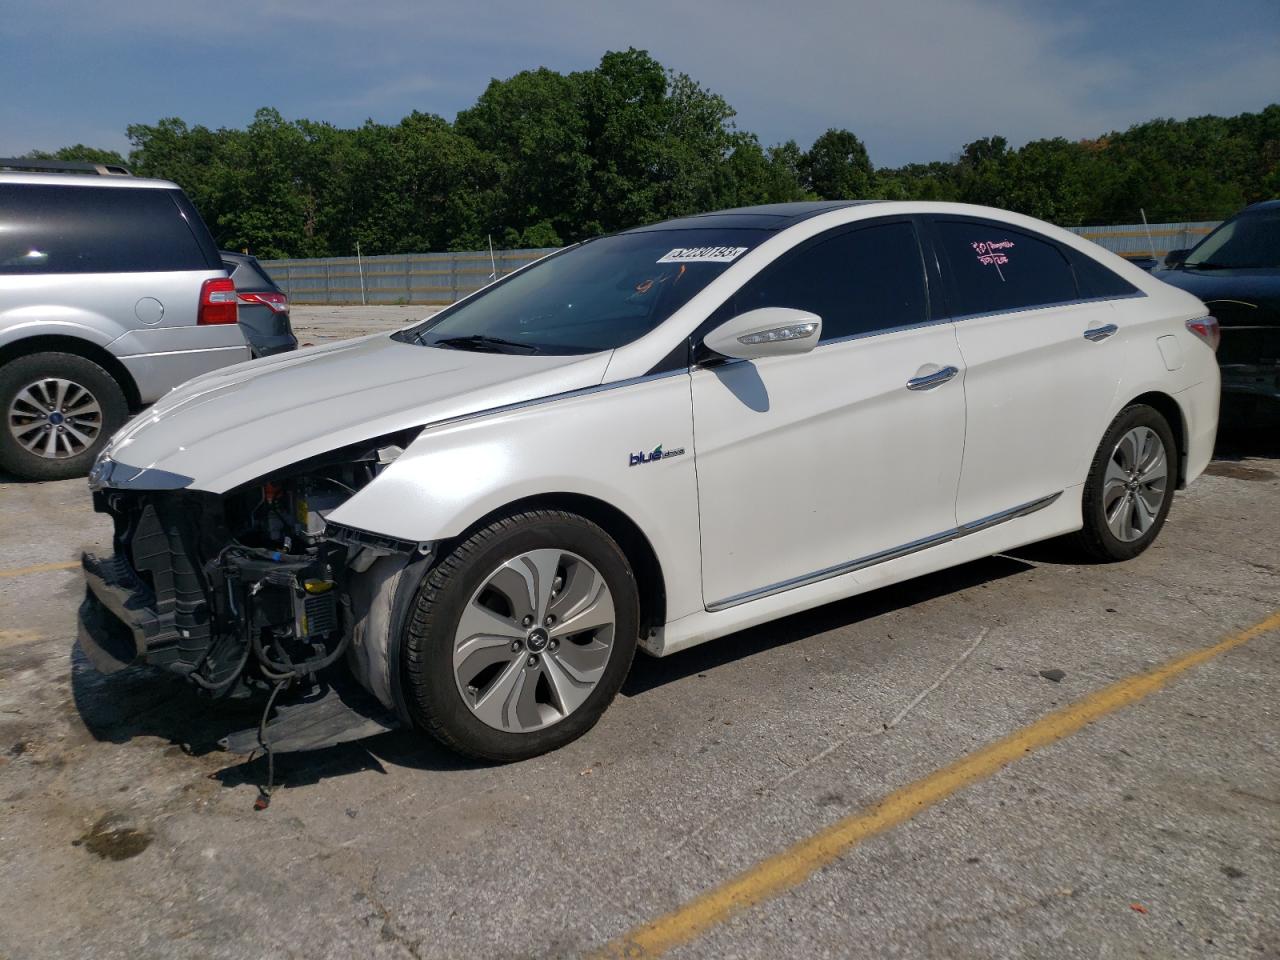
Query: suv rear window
x,y
994,268
54,229
249,274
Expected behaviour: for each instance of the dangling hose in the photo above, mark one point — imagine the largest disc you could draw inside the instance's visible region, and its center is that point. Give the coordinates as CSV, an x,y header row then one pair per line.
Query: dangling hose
x,y
264,793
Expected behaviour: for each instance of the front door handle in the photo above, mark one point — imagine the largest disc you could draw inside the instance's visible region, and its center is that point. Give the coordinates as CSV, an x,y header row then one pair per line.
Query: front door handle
x,y
931,380
1100,333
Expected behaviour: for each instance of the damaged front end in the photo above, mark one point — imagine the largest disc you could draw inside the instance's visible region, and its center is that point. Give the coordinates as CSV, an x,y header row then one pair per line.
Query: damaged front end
x,y
251,592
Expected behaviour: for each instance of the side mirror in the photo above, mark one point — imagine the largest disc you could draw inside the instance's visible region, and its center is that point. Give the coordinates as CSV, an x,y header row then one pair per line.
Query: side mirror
x,y
1174,258
766,332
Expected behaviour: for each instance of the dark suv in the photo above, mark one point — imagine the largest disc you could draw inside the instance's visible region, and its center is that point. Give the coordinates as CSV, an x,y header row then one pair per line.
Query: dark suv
x,y
1236,271
264,308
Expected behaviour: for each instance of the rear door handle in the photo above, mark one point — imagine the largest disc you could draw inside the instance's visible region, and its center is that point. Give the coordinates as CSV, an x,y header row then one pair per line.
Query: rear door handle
x,y
931,380
1100,333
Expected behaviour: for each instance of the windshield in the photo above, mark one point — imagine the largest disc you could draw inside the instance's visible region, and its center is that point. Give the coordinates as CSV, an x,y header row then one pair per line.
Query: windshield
x,y
1249,240
596,296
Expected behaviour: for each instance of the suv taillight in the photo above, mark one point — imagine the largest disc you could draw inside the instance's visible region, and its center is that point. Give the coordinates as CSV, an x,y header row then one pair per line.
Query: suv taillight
x,y
217,302
1207,329
276,301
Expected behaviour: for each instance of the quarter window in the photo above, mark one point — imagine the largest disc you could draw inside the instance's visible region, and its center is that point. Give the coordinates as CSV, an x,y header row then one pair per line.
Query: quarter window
x,y
1095,280
994,268
52,229
858,281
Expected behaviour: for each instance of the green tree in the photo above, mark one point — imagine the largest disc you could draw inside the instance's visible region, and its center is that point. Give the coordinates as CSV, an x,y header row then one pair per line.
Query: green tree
x,y
78,154
837,167
545,158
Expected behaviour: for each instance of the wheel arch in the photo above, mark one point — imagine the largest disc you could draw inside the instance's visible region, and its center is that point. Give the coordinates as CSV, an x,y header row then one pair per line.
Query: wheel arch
x,y
1171,410
55,343
632,540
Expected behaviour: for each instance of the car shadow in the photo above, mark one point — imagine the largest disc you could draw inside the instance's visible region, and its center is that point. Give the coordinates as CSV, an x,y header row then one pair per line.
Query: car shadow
x,y
649,673
743,381
1247,441
144,701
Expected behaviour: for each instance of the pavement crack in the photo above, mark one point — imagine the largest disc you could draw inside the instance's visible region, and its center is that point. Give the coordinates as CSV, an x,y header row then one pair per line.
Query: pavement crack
x,y
767,789
1044,901
1255,564
390,931
902,715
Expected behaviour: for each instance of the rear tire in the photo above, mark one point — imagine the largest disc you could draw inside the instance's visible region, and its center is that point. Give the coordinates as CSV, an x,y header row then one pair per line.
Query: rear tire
x,y
521,636
1130,485
88,406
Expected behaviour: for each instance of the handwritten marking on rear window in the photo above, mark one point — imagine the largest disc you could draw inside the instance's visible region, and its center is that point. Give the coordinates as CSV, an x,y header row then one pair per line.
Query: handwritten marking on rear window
x,y
990,253
703,255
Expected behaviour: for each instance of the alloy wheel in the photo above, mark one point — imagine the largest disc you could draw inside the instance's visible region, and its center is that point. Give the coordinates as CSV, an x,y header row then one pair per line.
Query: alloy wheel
x,y
1135,484
55,418
534,640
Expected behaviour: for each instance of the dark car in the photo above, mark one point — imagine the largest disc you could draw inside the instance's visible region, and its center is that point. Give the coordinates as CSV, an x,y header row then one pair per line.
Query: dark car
x,y
264,308
1236,271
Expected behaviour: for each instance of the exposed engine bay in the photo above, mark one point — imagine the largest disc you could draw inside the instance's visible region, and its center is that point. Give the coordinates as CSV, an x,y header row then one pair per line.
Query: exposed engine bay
x,y
251,591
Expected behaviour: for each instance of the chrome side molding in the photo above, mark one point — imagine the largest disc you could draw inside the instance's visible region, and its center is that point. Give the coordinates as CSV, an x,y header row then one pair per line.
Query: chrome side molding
x,y
894,553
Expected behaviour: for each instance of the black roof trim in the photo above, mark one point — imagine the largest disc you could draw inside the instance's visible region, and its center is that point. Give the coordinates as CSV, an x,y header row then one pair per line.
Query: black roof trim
x,y
768,216
64,166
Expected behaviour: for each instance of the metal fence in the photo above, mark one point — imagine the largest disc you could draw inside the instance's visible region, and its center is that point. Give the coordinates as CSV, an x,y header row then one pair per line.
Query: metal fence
x,y
1137,240
442,278
428,278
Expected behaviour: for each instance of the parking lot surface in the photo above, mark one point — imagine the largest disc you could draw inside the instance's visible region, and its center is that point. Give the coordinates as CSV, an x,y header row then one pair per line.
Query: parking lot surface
x,y
322,324
1153,831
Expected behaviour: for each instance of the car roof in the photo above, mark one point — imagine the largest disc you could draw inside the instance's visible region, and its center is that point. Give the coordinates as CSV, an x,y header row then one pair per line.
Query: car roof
x,y
1265,205
10,177
767,216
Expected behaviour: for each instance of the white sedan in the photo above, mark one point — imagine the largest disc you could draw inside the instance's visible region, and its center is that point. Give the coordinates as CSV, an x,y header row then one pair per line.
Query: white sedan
x,y
654,438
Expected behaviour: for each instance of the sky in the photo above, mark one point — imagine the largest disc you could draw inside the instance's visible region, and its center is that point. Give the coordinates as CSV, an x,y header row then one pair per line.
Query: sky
x,y
915,79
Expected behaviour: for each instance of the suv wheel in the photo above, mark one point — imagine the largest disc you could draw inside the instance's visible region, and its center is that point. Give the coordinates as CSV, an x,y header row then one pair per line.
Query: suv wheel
x,y
521,636
59,411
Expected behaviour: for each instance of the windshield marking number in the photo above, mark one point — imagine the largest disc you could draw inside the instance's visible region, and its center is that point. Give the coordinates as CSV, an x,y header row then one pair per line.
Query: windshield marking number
x,y
703,255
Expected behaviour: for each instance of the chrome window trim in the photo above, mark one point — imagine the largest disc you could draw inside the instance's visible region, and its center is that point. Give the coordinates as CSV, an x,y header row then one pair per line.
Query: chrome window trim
x,y
868,334
865,335
883,556
1046,306
901,328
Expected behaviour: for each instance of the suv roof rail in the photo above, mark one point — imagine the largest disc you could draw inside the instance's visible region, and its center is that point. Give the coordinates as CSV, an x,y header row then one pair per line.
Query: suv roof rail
x,y
65,166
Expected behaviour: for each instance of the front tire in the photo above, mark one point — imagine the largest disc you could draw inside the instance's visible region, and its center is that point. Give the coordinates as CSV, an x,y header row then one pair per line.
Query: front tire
x,y
59,411
1130,485
521,636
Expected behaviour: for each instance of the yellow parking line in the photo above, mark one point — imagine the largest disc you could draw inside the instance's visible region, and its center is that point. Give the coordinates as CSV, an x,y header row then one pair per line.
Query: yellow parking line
x,y
38,568
793,866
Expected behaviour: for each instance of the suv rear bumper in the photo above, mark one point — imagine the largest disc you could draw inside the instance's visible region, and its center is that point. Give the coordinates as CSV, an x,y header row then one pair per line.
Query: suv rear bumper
x,y
157,373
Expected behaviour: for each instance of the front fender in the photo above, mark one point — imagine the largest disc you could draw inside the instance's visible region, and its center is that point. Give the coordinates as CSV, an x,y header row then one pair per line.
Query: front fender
x,y
629,445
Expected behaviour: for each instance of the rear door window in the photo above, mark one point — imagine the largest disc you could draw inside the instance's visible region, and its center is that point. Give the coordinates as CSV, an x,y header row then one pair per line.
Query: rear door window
x,y
54,229
1095,280
858,281
994,268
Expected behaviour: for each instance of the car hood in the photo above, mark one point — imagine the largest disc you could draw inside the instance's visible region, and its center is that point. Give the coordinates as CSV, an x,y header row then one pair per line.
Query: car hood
x,y
239,423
